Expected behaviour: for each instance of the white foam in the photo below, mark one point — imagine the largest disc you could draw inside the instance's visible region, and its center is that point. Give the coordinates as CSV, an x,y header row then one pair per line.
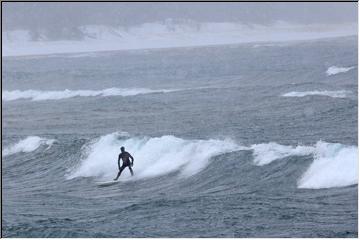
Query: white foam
x,y
266,153
335,70
335,165
28,144
153,156
37,95
170,34
333,94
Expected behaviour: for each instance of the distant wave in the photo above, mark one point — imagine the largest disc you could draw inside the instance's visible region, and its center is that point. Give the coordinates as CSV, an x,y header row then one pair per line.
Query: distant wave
x,y
36,95
335,70
28,144
334,165
153,156
333,94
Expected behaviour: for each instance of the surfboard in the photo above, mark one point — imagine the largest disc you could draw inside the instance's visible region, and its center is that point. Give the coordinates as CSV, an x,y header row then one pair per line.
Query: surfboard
x,y
108,183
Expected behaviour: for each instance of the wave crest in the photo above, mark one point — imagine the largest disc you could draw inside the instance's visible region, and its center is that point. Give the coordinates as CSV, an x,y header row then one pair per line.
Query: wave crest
x,y
28,144
265,153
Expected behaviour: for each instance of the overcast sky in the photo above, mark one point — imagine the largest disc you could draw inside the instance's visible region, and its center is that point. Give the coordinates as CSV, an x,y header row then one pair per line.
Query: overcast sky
x,y
52,15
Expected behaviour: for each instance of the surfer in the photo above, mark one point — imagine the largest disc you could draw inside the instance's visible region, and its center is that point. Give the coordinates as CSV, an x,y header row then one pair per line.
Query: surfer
x,y
125,156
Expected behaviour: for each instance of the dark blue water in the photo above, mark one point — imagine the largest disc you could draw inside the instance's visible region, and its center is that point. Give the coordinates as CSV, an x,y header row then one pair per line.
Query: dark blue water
x,y
219,152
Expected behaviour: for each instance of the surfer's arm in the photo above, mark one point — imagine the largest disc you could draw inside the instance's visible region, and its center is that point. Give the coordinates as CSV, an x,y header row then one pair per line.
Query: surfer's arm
x,y
132,159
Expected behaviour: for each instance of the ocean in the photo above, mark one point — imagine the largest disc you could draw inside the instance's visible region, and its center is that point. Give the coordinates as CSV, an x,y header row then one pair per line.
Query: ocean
x,y
240,140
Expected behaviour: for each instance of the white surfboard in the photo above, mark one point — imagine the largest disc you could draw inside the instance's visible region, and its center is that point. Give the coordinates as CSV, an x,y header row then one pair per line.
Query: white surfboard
x,y
108,183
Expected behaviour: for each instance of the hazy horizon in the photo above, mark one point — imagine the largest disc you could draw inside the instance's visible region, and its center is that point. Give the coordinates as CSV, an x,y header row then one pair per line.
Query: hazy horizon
x,y
114,26
33,16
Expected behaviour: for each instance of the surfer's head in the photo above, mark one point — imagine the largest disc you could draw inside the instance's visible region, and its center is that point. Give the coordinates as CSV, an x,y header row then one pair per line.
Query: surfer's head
x,y
122,149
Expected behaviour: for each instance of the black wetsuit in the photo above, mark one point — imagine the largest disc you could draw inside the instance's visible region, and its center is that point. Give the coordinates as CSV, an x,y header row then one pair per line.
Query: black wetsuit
x,y
125,156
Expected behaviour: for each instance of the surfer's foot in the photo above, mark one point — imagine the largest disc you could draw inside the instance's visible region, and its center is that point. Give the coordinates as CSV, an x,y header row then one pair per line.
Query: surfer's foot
x,y
115,179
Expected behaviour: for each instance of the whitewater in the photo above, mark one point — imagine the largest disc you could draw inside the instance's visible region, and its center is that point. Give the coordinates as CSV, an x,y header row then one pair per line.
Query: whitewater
x,y
239,140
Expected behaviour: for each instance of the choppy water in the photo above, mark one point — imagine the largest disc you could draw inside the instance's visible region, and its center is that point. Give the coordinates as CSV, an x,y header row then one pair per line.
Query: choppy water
x,y
229,141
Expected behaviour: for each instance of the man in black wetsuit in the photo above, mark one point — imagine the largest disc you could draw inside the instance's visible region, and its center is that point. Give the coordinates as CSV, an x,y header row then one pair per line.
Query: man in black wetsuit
x,y
125,156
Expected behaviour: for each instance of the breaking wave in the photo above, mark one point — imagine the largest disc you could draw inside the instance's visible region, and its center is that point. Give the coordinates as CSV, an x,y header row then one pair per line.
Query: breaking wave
x,y
28,144
333,94
334,165
36,95
153,156
335,70
265,153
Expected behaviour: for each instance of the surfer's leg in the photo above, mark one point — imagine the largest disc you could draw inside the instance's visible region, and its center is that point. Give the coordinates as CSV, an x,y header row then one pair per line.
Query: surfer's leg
x,y
132,173
121,169
118,175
